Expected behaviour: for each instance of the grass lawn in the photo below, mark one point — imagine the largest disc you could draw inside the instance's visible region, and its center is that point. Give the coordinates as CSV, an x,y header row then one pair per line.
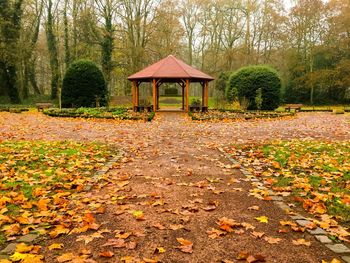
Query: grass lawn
x,y
316,174
40,179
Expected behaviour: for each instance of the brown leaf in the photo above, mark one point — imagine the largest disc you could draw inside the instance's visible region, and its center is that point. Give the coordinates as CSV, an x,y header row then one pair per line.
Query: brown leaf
x,y
186,245
159,226
301,241
272,240
257,234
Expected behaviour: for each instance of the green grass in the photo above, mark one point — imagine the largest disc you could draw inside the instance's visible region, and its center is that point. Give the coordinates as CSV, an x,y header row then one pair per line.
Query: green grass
x,y
2,239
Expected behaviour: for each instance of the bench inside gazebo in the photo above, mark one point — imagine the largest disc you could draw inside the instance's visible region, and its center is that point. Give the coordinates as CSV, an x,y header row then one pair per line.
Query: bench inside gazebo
x,y
170,70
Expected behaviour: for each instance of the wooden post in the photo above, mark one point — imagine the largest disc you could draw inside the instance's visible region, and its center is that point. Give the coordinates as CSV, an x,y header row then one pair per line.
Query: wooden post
x,y
183,96
203,93
187,95
154,95
206,88
158,97
133,93
137,89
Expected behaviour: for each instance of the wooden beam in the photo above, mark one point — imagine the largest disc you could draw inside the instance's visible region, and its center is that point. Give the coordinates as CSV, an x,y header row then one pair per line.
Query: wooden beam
x,y
187,95
154,95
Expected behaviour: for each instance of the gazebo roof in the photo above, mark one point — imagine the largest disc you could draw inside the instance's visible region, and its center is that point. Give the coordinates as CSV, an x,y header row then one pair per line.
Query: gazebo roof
x,y
170,68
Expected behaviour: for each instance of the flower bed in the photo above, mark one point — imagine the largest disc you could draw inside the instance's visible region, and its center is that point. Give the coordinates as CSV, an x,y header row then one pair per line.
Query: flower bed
x,y
213,115
102,113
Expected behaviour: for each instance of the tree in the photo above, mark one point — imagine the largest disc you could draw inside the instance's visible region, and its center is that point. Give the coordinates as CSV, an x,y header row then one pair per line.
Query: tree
x,y
84,85
10,25
248,80
53,50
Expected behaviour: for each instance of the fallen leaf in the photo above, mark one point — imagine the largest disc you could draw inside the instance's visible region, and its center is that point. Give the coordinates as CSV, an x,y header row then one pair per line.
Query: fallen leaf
x,y
272,240
301,241
106,254
262,219
186,245
56,246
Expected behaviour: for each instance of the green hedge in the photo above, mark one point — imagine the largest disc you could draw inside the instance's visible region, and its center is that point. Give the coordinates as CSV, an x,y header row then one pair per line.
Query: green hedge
x,y
83,84
247,80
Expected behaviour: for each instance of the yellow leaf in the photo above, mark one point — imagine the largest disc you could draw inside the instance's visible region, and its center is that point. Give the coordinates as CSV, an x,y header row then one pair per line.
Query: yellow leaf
x,y
262,219
18,256
56,246
30,258
5,261
334,260
160,250
23,248
138,215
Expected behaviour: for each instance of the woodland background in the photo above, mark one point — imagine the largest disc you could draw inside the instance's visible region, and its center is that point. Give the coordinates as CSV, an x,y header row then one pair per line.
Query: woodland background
x,y
307,41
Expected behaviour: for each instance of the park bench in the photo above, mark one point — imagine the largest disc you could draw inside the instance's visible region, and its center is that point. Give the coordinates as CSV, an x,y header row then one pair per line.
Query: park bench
x,y
295,107
144,108
198,108
43,105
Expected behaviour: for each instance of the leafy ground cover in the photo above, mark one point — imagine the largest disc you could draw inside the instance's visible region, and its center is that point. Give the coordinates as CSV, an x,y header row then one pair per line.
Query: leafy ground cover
x,y
42,184
174,197
219,115
313,173
103,113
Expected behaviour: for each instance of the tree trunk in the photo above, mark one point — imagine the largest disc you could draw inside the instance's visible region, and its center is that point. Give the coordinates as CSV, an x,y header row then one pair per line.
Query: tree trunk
x,y
66,36
53,51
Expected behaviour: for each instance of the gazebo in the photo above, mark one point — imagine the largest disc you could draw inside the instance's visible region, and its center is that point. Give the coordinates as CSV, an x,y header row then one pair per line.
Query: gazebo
x,y
170,70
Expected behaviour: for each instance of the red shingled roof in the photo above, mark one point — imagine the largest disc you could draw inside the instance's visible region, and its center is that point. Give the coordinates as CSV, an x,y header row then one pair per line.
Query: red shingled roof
x,y
170,68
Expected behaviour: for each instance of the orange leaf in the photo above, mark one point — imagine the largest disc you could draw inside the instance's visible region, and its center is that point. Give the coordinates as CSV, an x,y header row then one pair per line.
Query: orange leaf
x,y
106,254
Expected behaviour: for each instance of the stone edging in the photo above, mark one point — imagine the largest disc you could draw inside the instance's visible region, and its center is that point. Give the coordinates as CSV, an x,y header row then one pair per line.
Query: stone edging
x,y
319,234
33,237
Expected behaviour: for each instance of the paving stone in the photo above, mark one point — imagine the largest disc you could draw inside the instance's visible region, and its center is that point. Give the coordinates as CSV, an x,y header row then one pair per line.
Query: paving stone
x,y
303,222
282,205
254,180
277,198
317,231
9,249
323,239
338,248
4,256
28,238
346,259
296,217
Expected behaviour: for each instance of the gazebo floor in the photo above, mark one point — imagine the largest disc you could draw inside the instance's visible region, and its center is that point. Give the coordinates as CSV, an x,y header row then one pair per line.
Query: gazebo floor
x,y
170,109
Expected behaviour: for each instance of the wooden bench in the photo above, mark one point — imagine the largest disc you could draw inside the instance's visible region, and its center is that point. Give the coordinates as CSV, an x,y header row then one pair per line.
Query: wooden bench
x,y
295,107
198,108
43,105
143,108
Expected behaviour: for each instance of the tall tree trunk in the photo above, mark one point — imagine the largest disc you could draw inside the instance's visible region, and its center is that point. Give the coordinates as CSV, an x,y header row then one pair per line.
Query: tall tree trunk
x,y
53,51
9,35
9,76
67,56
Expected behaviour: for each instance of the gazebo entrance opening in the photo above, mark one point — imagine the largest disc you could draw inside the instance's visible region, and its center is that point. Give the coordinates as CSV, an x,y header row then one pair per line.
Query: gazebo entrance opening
x,y
174,71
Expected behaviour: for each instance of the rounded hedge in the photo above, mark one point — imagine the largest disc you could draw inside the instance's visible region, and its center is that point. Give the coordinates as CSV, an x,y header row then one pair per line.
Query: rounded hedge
x,y
83,85
248,80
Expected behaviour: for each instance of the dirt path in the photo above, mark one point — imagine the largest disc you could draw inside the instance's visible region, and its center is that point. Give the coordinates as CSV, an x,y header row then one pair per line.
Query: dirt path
x,y
173,173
